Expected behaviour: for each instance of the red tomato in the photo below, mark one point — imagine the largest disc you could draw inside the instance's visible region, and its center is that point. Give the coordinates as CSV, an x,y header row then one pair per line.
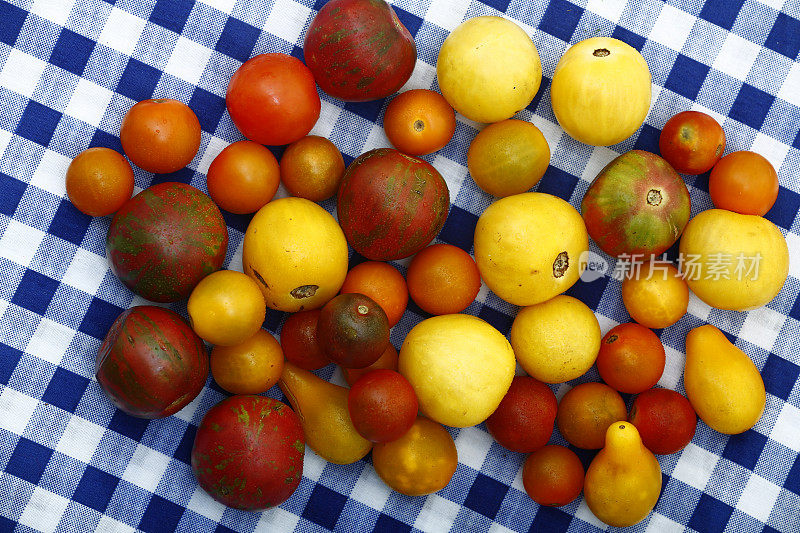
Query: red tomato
x,y
299,341
382,405
243,177
160,136
523,422
99,181
631,358
665,419
744,182
273,99
692,142
553,476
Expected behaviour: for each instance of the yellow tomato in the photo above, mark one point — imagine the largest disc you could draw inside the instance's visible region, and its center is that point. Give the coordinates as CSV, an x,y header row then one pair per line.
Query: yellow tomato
x,y
508,157
251,367
601,91
656,296
226,308
420,462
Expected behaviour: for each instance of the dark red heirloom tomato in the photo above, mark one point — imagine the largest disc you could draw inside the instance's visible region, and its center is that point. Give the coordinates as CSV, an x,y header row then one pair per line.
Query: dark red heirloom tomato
x,y
248,452
524,420
273,99
151,364
665,419
299,341
692,142
382,405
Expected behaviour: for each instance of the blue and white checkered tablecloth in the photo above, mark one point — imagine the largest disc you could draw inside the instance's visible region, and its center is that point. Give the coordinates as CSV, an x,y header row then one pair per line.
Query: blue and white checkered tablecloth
x,y
70,69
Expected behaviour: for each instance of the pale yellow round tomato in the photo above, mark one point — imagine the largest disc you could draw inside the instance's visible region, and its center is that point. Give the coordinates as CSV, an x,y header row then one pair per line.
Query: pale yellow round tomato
x,y
250,367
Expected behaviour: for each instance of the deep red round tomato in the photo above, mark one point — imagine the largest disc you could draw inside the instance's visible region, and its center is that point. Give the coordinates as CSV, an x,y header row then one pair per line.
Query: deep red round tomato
x,y
523,422
160,136
692,142
273,99
382,405
744,182
299,341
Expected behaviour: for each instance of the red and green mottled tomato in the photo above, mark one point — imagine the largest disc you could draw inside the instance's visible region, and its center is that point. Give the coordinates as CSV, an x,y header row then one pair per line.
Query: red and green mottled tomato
x,y
692,142
248,452
164,240
382,405
353,330
151,364
391,205
359,50
638,204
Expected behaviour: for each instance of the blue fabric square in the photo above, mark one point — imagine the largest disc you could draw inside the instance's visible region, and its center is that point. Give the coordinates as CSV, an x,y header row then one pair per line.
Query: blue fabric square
x,y
172,15
795,312
413,23
721,12
751,106
627,36
238,39
500,5
779,376
500,321
183,175
561,19
319,3
273,319
13,18
98,318
138,80
212,106
183,452
35,292
72,51
785,36
106,140
222,529
792,482
485,496
324,506
386,523
459,228
29,460
648,139
160,515
237,222
557,182
65,389
369,110
69,223
538,96
38,123
550,519
12,193
6,525
95,489
785,208
745,448
130,426
710,515
686,77
589,293
9,358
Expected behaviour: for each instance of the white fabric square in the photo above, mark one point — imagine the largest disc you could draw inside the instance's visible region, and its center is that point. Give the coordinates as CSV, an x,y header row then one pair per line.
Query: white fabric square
x,y
146,468
44,510
50,341
673,370
777,5
772,149
287,20
499,528
21,72
672,27
761,327
15,410
790,90
447,14
110,525
695,466
453,174
53,10
5,138
370,489
736,57
313,464
608,9
277,519
202,503
20,242
473,446
50,173
215,146
787,427
599,158
659,523
584,513
121,31
758,497
793,241
80,439
225,6
89,102
421,78
86,271
187,413
328,115
188,60
376,138
698,307
437,514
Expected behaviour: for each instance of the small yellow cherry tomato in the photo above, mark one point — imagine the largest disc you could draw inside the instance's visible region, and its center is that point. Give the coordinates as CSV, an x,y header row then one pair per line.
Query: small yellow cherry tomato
x,y
226,308
251,367
656,296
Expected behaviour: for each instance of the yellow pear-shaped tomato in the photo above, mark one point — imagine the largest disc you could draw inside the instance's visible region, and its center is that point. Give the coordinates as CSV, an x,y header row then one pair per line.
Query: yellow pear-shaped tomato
x,y
297,253
601,91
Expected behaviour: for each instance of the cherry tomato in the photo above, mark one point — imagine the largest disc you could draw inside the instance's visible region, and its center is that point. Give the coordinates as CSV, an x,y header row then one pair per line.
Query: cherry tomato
x,y
523,422
273,99
99,181
419,122
553,475
744,182
692,142
299,340
382,405
312,168
388,359
665,419
250,367
160,136
243,177
631,358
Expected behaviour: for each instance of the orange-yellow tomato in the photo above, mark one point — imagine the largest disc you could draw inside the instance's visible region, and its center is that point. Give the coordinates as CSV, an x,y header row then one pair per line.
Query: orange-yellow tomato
x,y
744,182
99,181
250,367
312,168
243,177
656,296
226,308
419,122
443,279
420,462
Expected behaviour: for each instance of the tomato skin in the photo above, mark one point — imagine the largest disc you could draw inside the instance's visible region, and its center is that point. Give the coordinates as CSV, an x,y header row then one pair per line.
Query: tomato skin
x,y
382,405
744,182
665,419
299,341
160,135
419,122
243,177
273,99
692,142
553,476
524,420
99,181
631,358
312,168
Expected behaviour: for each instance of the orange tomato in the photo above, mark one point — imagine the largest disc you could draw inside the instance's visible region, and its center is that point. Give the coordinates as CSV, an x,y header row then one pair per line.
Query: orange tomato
x,y
99,181
631,358
250,367
553,475
443,279
744,182
312,168
381,282
419,122
656,296
160,136
243,177
586,411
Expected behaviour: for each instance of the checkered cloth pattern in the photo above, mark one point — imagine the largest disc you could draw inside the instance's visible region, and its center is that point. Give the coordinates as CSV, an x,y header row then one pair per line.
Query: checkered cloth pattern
x,y
70,69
